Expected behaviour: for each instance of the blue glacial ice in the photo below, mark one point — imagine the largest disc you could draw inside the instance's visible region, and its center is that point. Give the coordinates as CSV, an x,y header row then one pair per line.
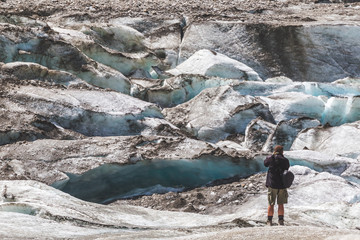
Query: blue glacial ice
x,y
81,111
111,182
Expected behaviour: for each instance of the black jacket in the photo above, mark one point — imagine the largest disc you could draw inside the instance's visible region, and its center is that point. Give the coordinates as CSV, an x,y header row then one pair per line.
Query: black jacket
x,y
277,165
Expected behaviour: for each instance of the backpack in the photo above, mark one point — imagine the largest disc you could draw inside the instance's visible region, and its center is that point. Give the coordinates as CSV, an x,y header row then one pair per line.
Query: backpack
x,y
287,178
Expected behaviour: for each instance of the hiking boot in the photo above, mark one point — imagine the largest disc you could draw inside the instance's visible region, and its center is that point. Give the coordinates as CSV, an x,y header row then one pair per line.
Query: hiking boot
x,y
281,222
269,223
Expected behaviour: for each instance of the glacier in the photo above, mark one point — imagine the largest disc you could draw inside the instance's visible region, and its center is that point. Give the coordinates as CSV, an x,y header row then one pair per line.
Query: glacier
x,y
230,113
82,112
177,114
210,63
117,182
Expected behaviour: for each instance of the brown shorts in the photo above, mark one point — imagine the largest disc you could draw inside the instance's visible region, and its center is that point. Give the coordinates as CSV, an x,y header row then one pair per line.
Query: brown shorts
x,y
280,194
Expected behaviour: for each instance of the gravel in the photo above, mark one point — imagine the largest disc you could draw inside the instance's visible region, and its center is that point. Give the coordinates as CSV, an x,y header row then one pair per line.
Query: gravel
x,y
289,11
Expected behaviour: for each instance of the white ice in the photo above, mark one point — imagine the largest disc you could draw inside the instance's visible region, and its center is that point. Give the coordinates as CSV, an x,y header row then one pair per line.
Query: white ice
x,y
341,110
216,113
40,206
209,63
348,81
53,58
48,202
325,161
289,105
180,89
286,132
342,140
82,110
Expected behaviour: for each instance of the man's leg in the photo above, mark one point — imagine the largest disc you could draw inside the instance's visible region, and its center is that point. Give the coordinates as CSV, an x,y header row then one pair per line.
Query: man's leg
x,y
270,211
271,200
282,198
281,210
281,214
270,215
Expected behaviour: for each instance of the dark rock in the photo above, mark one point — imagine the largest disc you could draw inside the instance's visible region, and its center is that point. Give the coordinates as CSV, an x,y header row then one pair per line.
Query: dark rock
x,y
241,223
323,1
190,208
200,196
257,132
179,203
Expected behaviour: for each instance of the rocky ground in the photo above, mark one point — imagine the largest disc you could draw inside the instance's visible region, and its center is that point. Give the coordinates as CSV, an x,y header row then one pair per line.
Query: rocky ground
x,y
245,10
218,194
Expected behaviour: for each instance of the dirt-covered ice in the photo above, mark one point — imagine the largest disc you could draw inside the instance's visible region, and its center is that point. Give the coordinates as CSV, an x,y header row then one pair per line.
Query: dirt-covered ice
x,y
95,92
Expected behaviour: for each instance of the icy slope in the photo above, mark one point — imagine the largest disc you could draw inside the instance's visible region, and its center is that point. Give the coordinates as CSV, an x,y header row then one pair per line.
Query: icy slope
x,y
54,53
331,140
47,205
216,113
306,52
91,113
43,207
210,63
48,160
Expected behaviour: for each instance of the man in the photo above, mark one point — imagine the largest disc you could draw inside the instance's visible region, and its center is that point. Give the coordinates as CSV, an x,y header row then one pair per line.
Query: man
x,y
277,164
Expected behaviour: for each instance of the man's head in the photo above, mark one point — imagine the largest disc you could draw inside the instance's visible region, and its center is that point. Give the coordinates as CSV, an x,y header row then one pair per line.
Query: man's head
x,y
279,149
